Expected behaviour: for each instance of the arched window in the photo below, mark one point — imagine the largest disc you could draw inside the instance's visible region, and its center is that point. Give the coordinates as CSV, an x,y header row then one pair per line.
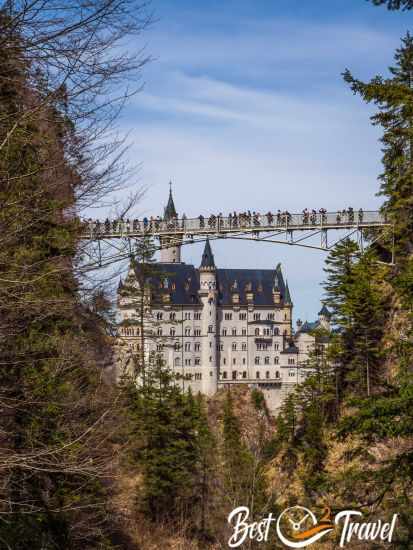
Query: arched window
x,y
277,374
159,331
276,360
172,332
267,374
257,332
234,346
267,361
257,360
257,374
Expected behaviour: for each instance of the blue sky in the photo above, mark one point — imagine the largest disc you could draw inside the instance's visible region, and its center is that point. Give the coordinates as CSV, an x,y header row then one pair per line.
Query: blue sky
x,y
243,107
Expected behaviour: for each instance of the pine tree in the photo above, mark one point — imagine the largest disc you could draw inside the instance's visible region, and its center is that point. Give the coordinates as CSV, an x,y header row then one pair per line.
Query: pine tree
x,y
238,461
393,97
394,4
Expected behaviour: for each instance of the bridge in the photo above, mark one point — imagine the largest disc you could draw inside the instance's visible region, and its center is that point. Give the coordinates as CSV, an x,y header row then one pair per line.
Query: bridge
x,y
300,229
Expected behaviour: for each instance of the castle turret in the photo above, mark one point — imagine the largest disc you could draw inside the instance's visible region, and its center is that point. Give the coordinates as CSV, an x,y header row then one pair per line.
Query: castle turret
x,y
208,296
324,317
170,254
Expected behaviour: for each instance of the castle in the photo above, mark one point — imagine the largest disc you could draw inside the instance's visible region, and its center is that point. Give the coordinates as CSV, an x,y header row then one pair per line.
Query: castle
x,y
217,327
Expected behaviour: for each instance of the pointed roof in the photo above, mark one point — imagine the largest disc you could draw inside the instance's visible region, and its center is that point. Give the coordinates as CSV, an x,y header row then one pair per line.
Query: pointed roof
x,y
170,211
325,312
287,297
207,261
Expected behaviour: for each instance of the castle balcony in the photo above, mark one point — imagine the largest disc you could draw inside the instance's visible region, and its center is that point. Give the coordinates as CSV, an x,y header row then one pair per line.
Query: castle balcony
x,y
263,339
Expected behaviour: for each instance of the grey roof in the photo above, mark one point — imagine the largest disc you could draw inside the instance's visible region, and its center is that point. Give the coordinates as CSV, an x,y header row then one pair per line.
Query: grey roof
x,y
324,311
170,211
287,297
308,327
183,283
207,256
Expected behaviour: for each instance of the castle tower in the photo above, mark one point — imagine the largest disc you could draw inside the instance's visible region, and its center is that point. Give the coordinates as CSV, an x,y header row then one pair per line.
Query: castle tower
x,y
324,316
172,254
208,296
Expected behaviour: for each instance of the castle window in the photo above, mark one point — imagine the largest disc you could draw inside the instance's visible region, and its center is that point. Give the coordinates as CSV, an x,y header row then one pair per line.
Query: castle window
x,y
187,316
244,374
159,316
224,374
267,361
276,347
276,360
187,346
267,374
291,373
197,332
244,360
234,375
234,332
159,331
277,374
270,316
177,362
257,374
267,332
244,331
257,332
224,332
257,316
197,346
159,347
172,332
242,316
276,331
228,316
177,346
187,362
291,361
234,346
257,360
197,361
197,316
210,329
172,316
244,346
187,331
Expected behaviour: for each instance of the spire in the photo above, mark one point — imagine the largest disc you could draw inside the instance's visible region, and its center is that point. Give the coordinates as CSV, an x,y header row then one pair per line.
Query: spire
x,y
170,211
324,312
207,261
287,297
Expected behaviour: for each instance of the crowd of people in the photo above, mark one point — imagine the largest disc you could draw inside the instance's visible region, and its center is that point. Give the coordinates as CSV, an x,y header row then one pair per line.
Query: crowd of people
x,y
233,220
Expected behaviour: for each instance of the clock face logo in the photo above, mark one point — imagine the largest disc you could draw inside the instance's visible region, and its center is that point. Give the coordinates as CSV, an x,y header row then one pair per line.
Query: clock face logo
x,y
297,526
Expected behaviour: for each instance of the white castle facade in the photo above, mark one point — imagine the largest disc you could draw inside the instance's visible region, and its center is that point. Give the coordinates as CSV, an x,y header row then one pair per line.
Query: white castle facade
x,y
219,327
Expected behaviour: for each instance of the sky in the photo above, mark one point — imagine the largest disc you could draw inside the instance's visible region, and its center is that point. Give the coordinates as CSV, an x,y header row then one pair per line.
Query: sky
x,y
243,106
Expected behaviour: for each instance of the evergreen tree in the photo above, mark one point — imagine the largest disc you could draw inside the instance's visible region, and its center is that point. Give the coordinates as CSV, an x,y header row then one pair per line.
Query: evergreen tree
x,y
165,424
394,97
394,4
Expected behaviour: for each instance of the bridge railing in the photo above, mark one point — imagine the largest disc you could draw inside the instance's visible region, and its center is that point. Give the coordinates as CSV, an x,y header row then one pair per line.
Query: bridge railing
x,y
220,224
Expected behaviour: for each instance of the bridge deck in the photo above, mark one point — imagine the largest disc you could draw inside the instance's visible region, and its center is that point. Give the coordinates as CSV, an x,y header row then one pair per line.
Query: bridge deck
x,y
113,229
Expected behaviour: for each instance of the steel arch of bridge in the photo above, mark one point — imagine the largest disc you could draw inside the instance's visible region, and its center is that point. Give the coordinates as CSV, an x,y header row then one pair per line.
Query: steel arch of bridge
x,y
290,229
